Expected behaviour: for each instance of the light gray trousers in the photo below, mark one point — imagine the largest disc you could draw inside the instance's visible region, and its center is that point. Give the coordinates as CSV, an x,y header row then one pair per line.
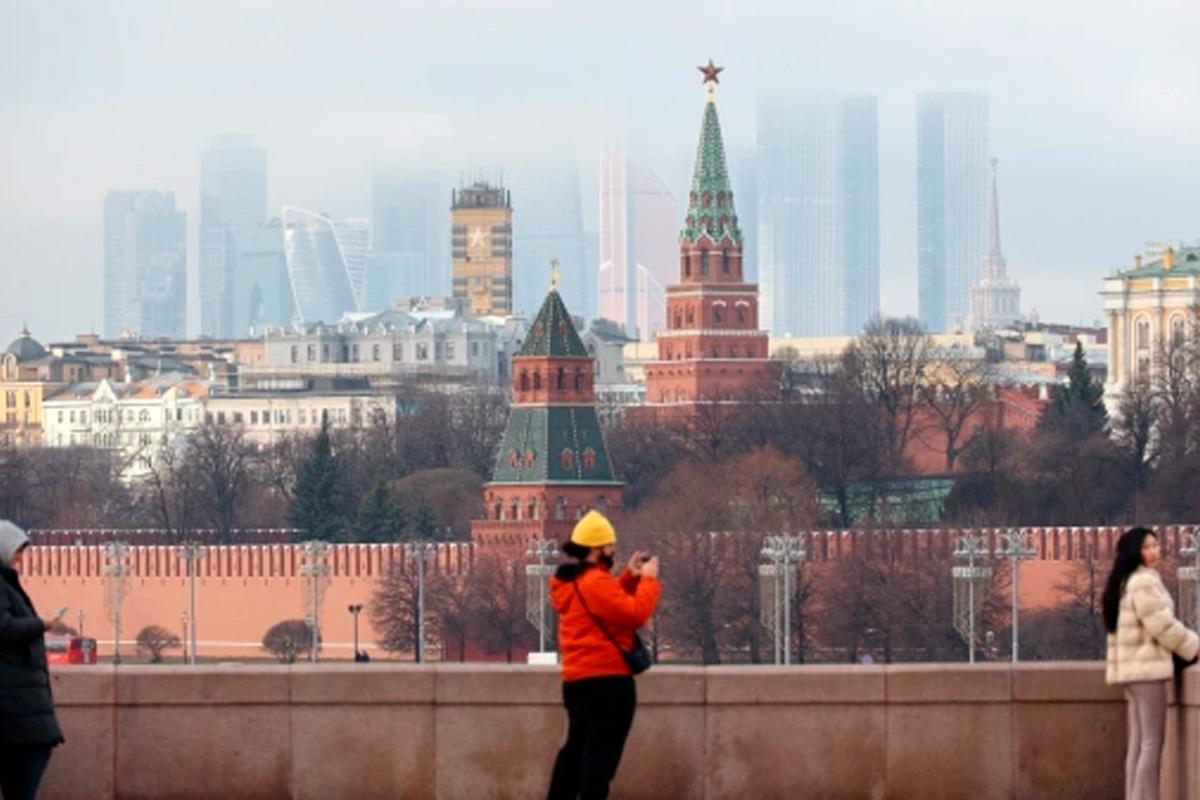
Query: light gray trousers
x,y
1147,703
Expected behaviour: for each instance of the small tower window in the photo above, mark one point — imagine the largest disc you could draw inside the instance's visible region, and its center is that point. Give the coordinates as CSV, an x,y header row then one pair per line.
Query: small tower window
x,y
718,317
560,508
589,459
529,458
524,381
568,459
560,379
537,381
578,379
513,458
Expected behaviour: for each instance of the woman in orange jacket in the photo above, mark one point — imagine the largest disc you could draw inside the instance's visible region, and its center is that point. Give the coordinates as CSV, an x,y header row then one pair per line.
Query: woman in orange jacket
x,y
599,616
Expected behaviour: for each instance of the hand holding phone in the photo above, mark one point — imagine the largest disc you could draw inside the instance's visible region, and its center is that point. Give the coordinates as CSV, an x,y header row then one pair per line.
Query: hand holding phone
x,y
62,612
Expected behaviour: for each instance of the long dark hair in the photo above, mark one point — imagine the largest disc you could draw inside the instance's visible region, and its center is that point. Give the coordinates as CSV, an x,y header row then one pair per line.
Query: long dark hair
x,y
1129,558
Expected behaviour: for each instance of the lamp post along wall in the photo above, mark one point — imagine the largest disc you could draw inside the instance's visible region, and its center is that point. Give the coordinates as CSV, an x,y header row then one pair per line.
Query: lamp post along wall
x,y
191,553
967,578
786,551
420,552
315,568
1015,545
1190,577
539,573
115,570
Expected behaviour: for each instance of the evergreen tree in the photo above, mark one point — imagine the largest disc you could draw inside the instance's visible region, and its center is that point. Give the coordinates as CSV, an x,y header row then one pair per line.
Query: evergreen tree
x,y
316,504
1077,410
423,523
380,517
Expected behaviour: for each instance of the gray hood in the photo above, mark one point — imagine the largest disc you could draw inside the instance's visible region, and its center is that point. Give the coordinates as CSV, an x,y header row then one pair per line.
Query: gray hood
x,y
12,539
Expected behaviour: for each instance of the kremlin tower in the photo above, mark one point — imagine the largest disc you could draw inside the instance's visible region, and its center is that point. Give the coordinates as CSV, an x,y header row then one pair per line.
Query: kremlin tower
x,y
712,349
552,466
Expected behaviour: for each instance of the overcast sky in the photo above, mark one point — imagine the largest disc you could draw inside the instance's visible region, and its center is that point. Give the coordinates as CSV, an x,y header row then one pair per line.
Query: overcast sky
x,y
1095,110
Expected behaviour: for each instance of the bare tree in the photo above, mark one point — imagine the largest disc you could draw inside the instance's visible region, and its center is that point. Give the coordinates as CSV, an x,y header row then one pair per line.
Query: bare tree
x,y
154,640
394,610
289,640
172,490
955,389
503,624
220,460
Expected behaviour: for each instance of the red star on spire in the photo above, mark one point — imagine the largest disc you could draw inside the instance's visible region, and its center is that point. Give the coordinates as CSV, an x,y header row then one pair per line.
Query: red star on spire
x,y
710,72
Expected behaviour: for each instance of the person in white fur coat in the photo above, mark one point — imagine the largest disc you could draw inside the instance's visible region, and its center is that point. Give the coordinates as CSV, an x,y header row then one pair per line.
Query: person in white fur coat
x,y
1143,633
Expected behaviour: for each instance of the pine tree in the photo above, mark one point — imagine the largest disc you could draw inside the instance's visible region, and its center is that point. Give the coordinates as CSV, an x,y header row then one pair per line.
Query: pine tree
x,y
1077,410
316,505
423,523
380,517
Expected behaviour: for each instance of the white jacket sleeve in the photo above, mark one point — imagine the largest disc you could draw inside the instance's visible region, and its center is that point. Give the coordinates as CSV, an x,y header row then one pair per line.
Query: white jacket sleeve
x,y
1153,607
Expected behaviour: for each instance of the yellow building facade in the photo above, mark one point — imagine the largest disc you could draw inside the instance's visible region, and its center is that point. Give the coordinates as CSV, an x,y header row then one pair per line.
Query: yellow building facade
x,y
481,248
1151,311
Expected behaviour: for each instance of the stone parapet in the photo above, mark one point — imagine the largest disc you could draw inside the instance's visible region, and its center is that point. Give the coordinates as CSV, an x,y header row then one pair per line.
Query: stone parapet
x,y
468,731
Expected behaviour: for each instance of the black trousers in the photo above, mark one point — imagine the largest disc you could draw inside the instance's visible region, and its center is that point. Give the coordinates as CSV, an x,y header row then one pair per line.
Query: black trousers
x,y
599,715
21,769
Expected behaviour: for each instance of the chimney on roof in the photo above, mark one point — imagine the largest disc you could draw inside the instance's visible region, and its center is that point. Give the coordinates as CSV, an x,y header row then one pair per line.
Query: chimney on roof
x,y
1137,262
1169,259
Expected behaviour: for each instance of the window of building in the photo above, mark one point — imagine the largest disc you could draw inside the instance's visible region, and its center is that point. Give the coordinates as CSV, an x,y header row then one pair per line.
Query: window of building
x,y
72,416
450,351
1178,332
589,459
397,352
10,399
474,349
513,458
266,416
303,416
529,459
354,352
375,356
560,508
83,418
568,459
325,352
537,381
524,382
220,417
422,351
1143,334
237,418
718,317
295,354
312,352
578,379
703,263
741,316
724,263
560,379
253,417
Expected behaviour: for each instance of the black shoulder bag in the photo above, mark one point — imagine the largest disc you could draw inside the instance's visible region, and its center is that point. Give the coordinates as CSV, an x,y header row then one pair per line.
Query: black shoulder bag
x,y
638,659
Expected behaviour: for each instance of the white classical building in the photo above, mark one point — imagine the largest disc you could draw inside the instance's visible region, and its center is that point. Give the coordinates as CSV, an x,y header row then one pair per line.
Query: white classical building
x,y
133,420
995,298
1152,311
269,417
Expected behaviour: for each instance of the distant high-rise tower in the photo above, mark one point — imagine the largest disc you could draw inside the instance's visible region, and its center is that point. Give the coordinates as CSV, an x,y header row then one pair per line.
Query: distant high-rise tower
x,y
818,214
712,350
952,160
481,240
317,268
550,228
145,265
410,235
354,239
233,210
995,300
638,251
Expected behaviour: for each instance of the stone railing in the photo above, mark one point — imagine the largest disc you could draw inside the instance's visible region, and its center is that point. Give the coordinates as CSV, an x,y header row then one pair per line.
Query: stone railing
x,y
478,731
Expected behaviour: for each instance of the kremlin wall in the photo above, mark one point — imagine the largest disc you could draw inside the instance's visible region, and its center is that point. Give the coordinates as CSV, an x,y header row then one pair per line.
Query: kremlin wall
x,y
242,590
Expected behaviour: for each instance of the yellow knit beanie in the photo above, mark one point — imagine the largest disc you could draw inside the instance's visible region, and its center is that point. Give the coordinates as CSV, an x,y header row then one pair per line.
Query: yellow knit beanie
x,y
594,530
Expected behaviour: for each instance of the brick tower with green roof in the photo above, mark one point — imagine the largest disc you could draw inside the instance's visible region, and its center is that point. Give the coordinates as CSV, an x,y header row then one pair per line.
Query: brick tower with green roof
x,y
712,349
552,466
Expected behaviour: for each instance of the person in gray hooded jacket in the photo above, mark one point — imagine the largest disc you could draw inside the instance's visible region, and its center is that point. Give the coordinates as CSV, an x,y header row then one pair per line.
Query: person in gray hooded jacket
x,y
28,728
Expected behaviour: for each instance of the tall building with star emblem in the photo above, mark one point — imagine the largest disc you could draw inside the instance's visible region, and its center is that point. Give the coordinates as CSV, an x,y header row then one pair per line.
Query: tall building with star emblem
x,y
712,350
481,248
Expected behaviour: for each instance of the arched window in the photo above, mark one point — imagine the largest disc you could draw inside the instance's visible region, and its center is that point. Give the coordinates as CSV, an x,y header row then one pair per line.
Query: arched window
x,y
589,459
560,508
498,511
704,262
533,509
718,317
1143,334
678,320
516,509
524,381
537,381
741,316
560,379
579,379
568,459
691,317
529,459
1178,332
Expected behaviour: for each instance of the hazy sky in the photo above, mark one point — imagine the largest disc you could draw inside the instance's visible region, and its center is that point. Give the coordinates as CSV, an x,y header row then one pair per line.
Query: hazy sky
x,y
1095,111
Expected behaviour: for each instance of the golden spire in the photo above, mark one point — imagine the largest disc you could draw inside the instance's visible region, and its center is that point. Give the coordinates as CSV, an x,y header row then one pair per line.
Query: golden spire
x,y
554,275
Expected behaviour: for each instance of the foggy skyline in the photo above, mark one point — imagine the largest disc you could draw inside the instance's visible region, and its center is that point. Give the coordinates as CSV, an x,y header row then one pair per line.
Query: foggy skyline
x,y
1094,111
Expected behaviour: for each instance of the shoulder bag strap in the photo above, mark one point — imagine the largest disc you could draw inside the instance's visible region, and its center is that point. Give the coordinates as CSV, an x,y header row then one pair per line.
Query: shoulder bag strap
x,y
596,619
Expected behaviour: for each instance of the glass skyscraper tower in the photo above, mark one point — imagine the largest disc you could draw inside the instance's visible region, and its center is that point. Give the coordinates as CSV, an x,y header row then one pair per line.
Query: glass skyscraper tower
x,y
818,213
233,210
145,265
952,205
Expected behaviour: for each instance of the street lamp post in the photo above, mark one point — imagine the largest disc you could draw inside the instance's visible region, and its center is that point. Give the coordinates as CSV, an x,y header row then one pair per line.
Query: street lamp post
x,y
81,622
183,619
784,551
355,609
117,555
191,553
968,548
420,552
1015,545
542,550
315,568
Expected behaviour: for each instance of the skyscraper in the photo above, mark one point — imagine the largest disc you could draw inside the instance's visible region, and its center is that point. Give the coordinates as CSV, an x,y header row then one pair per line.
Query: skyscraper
x,y
481,225
233,210
638,246
322,288
354,240
550,226
262,291
952,160
818,213
995,299
411,231
145,265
